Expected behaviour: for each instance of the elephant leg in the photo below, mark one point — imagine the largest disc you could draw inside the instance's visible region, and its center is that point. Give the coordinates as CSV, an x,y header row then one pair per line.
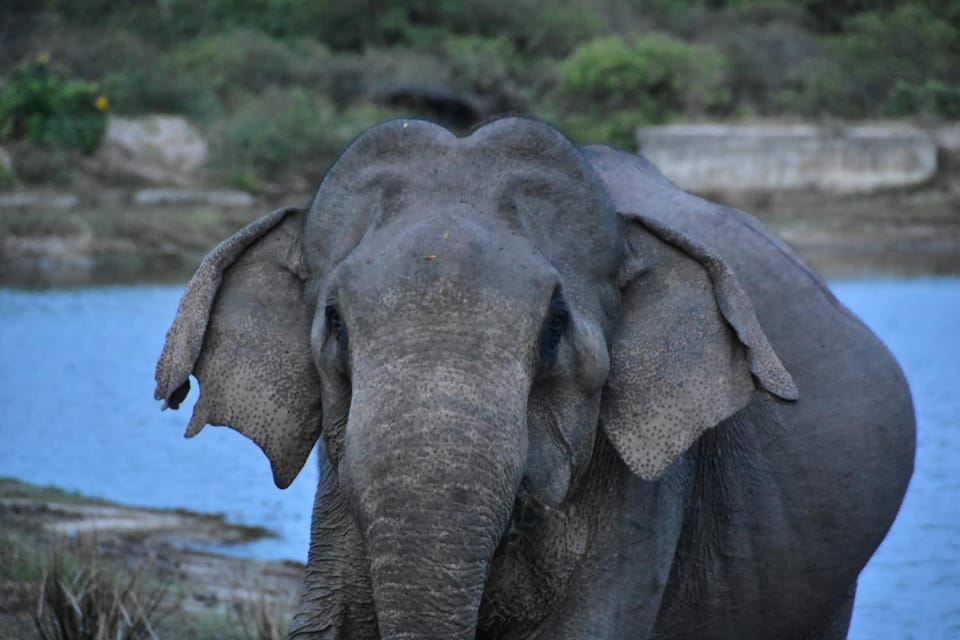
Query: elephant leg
x,y
621,585
337,599
837,623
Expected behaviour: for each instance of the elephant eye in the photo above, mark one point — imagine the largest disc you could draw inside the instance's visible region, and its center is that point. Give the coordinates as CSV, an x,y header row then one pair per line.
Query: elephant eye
x,y
554,326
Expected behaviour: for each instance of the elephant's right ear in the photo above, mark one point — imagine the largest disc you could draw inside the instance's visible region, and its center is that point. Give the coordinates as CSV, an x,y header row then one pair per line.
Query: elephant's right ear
x,y
689,351
243,330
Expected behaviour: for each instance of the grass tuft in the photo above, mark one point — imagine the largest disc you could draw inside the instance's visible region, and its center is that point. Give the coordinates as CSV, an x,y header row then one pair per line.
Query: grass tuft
x,y
82,598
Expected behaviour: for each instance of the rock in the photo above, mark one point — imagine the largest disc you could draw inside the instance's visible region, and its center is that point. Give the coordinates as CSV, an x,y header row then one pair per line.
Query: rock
x,y
192,197
155,149
37,200
723,158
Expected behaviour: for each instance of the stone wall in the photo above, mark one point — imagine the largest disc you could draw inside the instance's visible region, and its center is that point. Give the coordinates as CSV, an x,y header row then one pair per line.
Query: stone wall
x,y
768,157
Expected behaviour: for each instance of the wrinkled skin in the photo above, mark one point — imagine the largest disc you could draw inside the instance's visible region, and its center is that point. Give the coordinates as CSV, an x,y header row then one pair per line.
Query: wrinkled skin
x,y
557,398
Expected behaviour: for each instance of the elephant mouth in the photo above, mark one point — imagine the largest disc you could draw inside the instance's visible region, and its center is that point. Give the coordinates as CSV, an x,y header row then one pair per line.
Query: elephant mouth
x,y
528,514
517,596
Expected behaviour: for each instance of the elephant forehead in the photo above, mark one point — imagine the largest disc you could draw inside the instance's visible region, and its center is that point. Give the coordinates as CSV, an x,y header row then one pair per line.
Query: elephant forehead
x,y
520,173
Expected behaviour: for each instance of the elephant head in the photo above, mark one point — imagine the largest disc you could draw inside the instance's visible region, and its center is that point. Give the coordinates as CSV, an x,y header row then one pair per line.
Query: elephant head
x,y
461,319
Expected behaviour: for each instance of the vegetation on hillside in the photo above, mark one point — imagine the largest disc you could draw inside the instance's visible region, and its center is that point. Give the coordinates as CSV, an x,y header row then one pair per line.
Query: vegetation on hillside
x,y
279,86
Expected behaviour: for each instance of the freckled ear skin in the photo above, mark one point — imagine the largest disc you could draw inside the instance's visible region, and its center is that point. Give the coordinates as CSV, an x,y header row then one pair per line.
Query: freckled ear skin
x,y
243,330
688,352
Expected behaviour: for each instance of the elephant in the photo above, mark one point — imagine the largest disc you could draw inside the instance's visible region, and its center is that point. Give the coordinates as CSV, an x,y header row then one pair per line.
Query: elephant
x,y
555,396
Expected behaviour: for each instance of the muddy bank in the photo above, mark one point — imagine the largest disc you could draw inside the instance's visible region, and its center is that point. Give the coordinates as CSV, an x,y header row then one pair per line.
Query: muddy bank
x,y
895,232
165,546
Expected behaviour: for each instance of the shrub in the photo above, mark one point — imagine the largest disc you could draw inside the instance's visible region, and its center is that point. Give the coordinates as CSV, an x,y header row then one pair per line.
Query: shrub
x,y
530,26
834,16
52,109
285,129
206,76
617,128
932,97
657,73
248,57
909,46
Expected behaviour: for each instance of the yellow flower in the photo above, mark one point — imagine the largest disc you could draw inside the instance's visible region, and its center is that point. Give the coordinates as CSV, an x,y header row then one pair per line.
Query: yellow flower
x,y
43,58
101,103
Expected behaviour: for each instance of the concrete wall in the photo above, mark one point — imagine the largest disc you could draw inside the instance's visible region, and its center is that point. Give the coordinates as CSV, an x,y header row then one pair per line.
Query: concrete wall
x,y
724,158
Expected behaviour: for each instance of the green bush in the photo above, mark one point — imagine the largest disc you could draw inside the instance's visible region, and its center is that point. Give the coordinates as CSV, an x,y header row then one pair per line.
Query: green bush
x,y
657,73
208,76
532,26
877,52
909,44
834,16
932,97
51,109
617,128
248,57
285,129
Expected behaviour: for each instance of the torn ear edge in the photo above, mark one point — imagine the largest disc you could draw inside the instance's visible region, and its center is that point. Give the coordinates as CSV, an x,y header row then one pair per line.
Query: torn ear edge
x,y
185,337
242,330
768,371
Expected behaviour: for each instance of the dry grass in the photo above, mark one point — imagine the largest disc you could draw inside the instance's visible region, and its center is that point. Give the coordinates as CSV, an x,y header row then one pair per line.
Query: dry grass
x,y
82,598
261,619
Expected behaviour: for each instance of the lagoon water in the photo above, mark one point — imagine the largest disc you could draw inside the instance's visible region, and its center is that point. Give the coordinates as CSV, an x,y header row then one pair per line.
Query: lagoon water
x,y
76,389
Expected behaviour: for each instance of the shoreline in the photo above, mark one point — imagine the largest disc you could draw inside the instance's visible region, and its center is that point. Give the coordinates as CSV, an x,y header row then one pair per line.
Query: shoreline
x,y
159,546
894,232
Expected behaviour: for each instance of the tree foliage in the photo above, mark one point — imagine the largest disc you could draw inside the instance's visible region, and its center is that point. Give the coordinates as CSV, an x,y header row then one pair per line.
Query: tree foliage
x,y
51,108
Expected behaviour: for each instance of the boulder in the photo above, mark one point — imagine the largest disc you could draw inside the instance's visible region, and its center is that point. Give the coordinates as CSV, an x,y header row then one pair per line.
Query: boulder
x,y
838,159
156,149
184,197
37,200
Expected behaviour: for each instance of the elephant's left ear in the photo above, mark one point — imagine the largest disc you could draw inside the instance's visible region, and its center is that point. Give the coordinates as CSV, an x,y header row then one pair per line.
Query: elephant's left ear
x,y
688,352
243,330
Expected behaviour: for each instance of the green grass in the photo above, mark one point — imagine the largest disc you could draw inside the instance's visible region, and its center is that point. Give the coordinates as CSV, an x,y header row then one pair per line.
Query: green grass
x,y
13,488
21,560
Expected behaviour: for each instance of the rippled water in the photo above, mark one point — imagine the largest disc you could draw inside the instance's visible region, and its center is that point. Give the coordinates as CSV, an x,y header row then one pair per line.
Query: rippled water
x,y
76,387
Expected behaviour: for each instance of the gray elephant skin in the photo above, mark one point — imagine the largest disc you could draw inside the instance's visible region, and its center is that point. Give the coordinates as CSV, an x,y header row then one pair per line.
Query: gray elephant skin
x,y
557,397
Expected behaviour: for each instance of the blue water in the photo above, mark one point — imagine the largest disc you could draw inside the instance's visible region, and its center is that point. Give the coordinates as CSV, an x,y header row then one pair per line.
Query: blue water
x,y
911,588
76,388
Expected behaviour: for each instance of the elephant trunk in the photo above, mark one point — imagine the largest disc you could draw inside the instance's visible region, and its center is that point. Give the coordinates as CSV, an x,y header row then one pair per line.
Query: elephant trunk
x,y
433,458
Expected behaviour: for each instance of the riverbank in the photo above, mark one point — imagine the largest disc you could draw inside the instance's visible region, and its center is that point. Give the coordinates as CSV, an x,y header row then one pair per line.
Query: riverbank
x,y
113,238
199,594
853,199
